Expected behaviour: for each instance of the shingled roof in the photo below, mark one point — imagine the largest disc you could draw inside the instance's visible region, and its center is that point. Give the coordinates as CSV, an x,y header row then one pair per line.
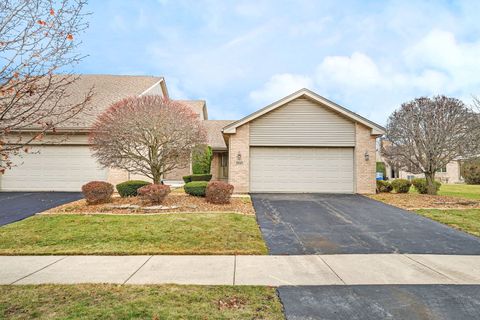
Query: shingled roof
x,y
214,131
108,89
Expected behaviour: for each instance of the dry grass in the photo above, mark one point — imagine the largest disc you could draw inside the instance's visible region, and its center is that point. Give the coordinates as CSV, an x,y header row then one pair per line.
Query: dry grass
x,y
103,301
465,220
412,201
185,203
82,234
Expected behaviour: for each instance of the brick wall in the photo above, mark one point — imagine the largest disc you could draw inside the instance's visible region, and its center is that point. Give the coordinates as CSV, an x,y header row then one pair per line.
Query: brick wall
x,y
215,167
365,170
115,176
239,169
178,173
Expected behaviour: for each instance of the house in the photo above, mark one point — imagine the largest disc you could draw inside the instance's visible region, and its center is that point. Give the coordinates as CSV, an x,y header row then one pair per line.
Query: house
x,y
63,161
301,143
450,174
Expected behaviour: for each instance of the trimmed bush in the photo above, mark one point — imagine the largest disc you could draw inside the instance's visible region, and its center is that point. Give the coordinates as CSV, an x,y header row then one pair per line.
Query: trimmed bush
x,y
401,185
196,188
384,186
197,177
129,188
97,192
421,185
202,159
219,192
470,171
154,193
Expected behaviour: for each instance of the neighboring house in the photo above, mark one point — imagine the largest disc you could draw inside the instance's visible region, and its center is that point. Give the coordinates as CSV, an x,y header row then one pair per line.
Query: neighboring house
x,y
63,161
301,143
449,174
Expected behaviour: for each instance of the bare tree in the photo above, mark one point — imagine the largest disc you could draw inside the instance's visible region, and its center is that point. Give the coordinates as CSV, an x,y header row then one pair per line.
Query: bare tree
x,y
37,40
146,135
427,133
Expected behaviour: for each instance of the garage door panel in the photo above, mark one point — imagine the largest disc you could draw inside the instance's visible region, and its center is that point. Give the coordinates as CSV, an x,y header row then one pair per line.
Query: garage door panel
x,y
52,168
286,169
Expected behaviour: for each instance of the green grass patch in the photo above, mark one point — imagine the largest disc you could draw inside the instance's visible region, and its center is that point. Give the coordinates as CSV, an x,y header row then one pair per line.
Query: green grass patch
x,y
468,191
195,233
467,220
138,302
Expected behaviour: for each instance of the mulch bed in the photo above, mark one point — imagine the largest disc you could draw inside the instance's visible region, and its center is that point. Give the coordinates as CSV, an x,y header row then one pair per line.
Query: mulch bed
x,y
184,202
412,201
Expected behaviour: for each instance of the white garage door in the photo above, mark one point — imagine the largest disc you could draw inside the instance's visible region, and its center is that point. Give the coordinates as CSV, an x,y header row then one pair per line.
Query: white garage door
x,y
281,169
53,168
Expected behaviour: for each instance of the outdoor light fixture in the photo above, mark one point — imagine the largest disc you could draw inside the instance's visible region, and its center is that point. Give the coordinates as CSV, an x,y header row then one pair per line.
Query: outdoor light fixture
x,y
239,158
367,156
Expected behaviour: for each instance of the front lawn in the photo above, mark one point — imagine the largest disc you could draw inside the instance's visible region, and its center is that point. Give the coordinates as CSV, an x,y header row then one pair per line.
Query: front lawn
x,y
465,220
468,191
138,302
187,233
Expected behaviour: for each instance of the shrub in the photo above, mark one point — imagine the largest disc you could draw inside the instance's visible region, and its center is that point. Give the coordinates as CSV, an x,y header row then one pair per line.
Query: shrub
x,y
97,192
196,188
202,159
421,185
470,171
384,186
219,192
197,177
401,185
129,188
154,193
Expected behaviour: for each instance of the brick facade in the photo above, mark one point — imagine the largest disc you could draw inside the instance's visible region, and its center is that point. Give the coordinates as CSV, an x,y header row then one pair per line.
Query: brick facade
x,y
239,159
364,170
115,176
215,166
178,173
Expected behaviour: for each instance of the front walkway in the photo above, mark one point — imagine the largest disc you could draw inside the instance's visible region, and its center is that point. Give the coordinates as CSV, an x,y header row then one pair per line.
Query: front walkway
x,y
373,269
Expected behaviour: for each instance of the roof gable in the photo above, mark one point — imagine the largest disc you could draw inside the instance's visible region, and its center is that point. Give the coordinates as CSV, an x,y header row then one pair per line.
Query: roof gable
x,y
375,128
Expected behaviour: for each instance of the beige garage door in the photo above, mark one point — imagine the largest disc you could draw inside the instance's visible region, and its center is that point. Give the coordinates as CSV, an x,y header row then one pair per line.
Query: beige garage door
x,y
53,168
283,169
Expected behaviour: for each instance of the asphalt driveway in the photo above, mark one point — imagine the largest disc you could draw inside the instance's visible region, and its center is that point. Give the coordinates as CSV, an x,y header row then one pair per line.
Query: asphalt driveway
x,y
415,302
347,224
16,206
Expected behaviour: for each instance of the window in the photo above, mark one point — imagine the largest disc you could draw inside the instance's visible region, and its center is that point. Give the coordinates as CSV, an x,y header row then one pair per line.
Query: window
x,y
444,169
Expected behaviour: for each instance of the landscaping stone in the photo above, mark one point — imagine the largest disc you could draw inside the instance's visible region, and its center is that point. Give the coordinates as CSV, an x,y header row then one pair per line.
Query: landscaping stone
x,y
124,206
160,207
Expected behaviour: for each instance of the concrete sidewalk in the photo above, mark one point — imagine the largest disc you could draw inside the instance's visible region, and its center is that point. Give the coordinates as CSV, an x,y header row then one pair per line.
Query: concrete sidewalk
x,y
353,269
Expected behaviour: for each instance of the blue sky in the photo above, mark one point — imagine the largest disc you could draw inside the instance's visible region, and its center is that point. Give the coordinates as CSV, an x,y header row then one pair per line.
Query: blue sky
x,y
369,56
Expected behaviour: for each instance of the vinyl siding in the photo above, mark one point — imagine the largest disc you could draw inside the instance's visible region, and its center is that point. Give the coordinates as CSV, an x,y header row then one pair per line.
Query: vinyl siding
x,y
302,122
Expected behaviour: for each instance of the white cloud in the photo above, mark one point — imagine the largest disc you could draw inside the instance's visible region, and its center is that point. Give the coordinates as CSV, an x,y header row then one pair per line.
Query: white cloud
x,y
279,86
244,54
437,63
357,71
440,50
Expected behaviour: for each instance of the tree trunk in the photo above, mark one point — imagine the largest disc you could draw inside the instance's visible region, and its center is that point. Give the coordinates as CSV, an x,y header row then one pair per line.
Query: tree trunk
x,y
157,178
430,177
